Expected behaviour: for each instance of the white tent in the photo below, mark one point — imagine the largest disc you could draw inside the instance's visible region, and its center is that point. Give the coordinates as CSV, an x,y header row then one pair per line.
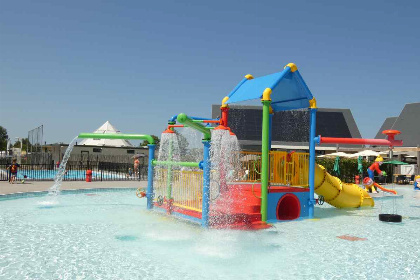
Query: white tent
x,y
106,128
368,153
337,154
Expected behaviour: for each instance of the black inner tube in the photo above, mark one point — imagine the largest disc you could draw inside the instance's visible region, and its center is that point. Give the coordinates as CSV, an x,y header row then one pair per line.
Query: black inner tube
x,y
390,218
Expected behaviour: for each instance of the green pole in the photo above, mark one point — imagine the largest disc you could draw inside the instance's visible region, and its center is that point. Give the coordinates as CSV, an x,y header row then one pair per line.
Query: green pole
x,y
266,101
149,138
169,179
177,163
184,119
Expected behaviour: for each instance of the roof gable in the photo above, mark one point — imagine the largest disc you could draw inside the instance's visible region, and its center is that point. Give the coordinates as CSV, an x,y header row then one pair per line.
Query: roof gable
x,y
106,128
289,90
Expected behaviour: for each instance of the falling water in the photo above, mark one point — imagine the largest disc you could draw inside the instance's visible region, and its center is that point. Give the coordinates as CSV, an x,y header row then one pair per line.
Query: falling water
x,y
231,150
58,179
225,165
224,156
195,145
169,150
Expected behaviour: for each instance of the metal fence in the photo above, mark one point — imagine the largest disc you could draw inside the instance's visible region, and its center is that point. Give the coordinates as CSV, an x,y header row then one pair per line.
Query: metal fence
x,y
76,171
47,158
31,158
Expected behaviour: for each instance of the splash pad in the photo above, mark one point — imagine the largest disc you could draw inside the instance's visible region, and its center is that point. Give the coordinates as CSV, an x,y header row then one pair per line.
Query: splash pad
x,y
219,189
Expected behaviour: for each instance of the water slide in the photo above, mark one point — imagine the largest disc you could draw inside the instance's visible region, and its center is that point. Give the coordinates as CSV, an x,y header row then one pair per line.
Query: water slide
x,y
339,194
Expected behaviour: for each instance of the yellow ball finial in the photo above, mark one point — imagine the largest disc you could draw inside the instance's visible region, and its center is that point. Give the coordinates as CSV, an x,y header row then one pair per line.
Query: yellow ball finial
x,y
292,66
249,77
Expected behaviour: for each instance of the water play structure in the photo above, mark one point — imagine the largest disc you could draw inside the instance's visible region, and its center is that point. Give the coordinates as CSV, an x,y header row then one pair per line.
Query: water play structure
x,y
227,188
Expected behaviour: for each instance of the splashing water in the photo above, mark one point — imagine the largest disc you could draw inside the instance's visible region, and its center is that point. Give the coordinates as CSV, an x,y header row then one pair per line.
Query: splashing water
x,y
195,145
169,150
232,149
226,167
58,179
224,156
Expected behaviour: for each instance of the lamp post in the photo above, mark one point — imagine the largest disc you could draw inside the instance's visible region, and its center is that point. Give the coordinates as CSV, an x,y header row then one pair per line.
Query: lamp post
x,y
20,153
21,144
8,147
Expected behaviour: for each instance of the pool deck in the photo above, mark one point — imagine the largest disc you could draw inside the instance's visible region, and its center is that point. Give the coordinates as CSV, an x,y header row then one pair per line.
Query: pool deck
x,y
36,186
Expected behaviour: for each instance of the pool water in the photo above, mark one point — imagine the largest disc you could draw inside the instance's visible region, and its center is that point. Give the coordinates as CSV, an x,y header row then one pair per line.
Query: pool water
x,y
111,235
50,174
70,175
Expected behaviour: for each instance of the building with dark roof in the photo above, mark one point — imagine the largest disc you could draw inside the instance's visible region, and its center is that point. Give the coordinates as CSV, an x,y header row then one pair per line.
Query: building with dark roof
x,y
290,129
389,122
408,122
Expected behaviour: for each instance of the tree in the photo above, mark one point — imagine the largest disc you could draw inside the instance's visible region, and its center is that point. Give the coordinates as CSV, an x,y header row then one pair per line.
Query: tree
x,y
3,138
25,144
155,138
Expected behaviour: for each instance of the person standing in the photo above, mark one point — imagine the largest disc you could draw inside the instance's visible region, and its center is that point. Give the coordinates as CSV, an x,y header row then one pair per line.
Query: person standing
x,y
136,167
13,169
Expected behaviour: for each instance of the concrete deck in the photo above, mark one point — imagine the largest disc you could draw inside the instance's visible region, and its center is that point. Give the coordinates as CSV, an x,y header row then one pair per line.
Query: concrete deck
x,y
6,188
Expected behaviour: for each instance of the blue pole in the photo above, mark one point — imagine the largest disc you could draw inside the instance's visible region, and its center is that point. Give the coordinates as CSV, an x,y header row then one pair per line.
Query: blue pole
x,y
206,185
149,192
173,119
312,161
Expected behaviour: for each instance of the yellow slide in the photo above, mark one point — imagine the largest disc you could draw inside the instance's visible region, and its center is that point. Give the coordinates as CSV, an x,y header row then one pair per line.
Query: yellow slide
x,y
339,194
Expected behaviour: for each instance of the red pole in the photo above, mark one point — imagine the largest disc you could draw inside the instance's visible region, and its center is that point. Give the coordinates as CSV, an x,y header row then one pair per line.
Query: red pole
x,y
360,141
225,113
175,125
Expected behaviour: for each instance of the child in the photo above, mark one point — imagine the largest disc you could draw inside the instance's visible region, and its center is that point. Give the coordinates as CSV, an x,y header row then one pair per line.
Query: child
x,y
375,167
13,169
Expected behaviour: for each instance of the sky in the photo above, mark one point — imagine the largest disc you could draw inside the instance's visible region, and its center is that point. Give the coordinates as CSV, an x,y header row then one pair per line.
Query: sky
x,y
72,65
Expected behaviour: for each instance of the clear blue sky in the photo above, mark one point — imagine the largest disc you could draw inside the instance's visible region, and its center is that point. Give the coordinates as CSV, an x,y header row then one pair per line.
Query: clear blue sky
x,y
72,65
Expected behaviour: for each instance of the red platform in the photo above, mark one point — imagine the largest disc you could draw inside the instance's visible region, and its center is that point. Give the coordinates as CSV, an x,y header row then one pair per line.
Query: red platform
x,y
238,208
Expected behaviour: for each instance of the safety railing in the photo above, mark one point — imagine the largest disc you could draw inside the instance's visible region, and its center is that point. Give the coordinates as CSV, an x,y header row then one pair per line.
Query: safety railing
x,y
185,187
279,168
289,168
285,168
250,170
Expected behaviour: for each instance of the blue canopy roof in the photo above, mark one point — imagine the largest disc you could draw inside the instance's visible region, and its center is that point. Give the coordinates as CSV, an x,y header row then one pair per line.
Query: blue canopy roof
x,y
289,90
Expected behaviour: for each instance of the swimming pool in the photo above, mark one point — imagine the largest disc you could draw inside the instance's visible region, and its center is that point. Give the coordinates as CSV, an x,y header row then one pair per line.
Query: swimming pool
x,y
111,235
70,175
